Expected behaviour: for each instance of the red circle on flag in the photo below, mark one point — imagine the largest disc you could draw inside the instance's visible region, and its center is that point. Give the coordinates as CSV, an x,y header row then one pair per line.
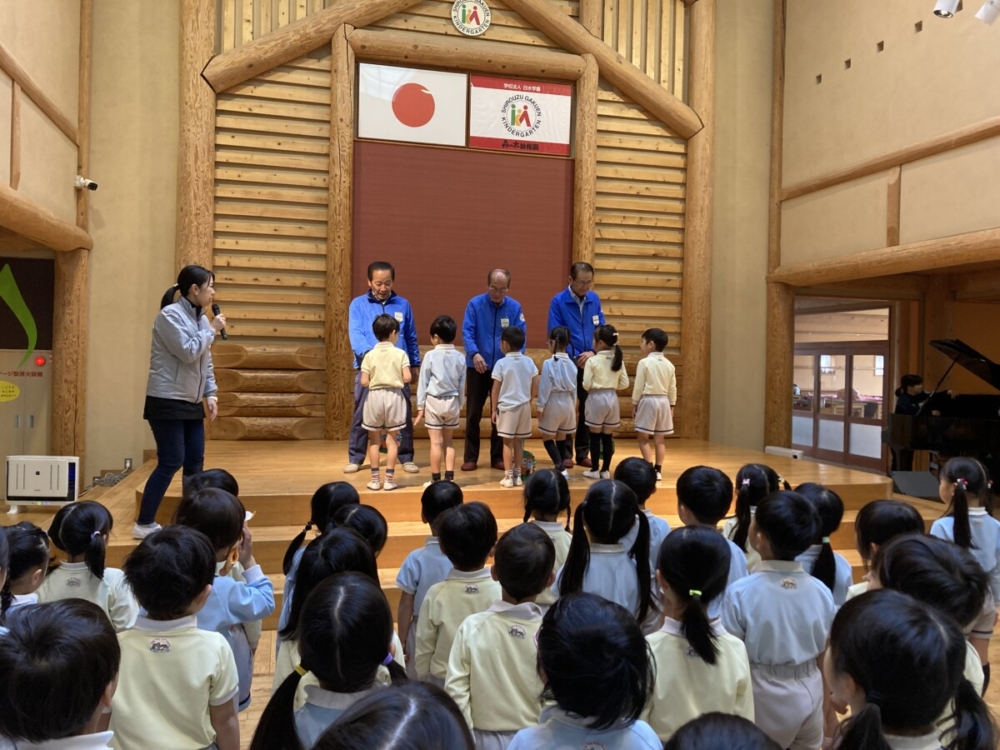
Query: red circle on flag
x,y
413,105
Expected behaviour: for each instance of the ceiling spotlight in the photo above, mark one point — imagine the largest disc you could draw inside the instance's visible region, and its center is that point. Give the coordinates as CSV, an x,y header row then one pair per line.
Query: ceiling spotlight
x,y
945,8
990,12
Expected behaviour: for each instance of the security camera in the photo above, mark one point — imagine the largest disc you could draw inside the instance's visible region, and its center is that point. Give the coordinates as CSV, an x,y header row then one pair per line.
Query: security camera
x,y
946,8
82,182
989,13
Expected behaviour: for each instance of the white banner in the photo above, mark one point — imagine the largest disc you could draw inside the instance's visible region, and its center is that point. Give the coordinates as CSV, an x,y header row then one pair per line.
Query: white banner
x,y
507,114
405,104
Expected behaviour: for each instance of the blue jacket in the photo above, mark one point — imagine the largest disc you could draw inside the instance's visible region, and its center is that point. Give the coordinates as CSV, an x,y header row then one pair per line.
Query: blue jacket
x,y
565,311
362,314
483,324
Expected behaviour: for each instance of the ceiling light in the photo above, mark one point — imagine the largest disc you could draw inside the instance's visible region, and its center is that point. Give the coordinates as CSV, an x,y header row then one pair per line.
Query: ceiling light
x,y
945,8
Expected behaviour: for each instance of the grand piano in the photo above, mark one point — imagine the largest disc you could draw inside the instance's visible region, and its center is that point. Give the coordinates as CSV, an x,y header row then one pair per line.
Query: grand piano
x,y
968,425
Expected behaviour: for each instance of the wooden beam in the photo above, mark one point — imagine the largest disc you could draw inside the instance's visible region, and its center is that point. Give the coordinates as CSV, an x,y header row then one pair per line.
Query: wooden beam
x,y
460,53
340,240
294,40
777,137
696,292
893,207
635,84
778,356
975,285
592,16
83,109
955,139
901,287
15,135
196,148
927,255
585,167
25,217
20,76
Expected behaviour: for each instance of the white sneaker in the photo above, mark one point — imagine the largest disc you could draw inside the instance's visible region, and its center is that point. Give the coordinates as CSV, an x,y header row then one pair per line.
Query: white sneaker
x,y
141,531
428,484
374,485
517,480
565,473
592,474
351,468
389,485
507,482
410,468
605,475
659,477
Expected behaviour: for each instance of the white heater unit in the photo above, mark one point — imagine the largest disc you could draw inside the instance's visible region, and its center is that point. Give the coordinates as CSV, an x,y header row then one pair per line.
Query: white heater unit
x,y
42,480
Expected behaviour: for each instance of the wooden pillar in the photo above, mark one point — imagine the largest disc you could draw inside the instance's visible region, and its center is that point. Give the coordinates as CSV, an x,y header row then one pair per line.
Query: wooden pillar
x,y
938,323
196,148
592,16
696,292
340,242
15,134
894,199
585,167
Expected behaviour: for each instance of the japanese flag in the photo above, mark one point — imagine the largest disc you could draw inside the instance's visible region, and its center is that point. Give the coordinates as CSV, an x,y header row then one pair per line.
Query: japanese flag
x,y
405,104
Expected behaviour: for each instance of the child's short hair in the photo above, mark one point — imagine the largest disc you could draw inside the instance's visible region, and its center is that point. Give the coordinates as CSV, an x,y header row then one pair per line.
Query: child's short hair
x,y
514,337
656,336
596,661
559,336
467,533
438,498
524,558
706,492
384,326
789,521
218,479
719,731
79,529
169,569
57,662
639,476
445,328
325,503
365,520
546,491
28,549
216,514
882,520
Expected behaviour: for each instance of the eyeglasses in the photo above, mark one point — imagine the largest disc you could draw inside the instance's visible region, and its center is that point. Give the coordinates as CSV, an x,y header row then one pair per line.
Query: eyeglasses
x,y
498,290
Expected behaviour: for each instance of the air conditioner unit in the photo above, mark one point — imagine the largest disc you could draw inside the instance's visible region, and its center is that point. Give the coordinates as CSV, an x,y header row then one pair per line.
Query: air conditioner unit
x,y
42,480
777,450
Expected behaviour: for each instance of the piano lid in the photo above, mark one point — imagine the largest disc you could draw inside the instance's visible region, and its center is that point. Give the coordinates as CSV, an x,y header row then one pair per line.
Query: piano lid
x,y
979,365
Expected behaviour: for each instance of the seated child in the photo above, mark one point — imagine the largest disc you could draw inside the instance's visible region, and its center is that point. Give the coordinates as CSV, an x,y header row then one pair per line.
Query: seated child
x,y
653,398
28,559
178,683
877,523
546,495
515,385
754,482
639,476
828,566
493,670
467,534
367,521
441,394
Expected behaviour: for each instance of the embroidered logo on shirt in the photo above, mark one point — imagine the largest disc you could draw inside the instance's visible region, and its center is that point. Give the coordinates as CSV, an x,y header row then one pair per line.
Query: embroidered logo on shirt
x,y
159,646
73,582
594,746
516,631
789,583
472,588
691,653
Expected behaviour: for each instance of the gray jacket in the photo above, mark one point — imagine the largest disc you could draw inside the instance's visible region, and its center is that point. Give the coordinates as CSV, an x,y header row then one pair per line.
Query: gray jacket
x,y
180,358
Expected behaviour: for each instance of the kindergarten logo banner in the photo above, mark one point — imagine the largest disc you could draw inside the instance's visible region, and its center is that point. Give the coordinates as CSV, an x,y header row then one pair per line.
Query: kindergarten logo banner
x,y
531,117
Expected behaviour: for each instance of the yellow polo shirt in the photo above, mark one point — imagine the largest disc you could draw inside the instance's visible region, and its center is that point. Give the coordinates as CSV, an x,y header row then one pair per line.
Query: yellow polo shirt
x,y
384,365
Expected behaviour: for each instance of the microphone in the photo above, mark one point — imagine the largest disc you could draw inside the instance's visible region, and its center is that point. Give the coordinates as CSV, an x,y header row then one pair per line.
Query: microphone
x,y
216,310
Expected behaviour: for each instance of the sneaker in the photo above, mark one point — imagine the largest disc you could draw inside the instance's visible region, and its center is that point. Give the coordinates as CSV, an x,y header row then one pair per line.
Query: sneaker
x,y
517,480
605,475
507,482
410,468
389,485
565,473
428,483
374,485
351,468
592,474
141,531
659,477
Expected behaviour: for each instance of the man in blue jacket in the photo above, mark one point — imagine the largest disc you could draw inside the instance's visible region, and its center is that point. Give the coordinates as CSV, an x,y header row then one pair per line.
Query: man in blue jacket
x,y
486,316
379,300
579,309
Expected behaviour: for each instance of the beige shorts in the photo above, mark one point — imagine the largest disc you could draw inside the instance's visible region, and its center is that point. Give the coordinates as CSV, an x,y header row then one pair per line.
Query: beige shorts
x,y
982,626
559,414
602,410
514,422
441,413
788,704
653,416
385,409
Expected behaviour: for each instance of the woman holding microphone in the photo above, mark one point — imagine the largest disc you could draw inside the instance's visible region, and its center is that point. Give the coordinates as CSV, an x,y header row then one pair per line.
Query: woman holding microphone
x,y
180,376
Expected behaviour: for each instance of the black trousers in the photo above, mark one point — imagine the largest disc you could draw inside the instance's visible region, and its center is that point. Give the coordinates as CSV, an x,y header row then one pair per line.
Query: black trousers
x,y
477,391
582,431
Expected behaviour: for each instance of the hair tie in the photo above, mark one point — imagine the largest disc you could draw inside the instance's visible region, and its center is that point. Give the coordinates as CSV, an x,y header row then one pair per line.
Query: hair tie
x,y
962,482
301,670
826,540
309,526
177,286
989,484
96,533
387,660
694,593
746,482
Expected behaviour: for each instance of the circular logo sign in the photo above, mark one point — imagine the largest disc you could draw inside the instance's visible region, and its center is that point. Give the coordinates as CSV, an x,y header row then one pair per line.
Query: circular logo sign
x,y
8,391
471,17
521,116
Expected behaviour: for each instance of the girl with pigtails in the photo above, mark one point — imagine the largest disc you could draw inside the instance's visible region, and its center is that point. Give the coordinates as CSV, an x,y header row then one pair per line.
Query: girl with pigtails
x,y
754,482
603,376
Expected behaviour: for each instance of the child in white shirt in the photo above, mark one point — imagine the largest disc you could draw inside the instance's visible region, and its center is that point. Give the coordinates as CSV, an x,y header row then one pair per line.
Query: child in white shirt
x,y
441,393
515,385
557,397
653,397
754,482
546,496
603,376
826,565
28,559
640,477
878,523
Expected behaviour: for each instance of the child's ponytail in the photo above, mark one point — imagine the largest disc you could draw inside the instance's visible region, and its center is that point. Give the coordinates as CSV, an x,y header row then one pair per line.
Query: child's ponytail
x,y
81,529
830,509
863,731
95,554
560,337
640,554
293,547
697,628
608,336
578,557
276,728
325,503
967,475
974,728
29,549
753,485
547,491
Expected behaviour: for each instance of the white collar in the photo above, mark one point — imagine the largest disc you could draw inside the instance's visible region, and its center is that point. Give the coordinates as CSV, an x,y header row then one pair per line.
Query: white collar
x,y
444,346
648,512
549,525
560,355
930,741
978,510
317,696
779,566
523,611
96,741
606,549
23,600
554,713
656,354
385,345
675,627
162,626
513,354
605,353
72,567
468,575
431,541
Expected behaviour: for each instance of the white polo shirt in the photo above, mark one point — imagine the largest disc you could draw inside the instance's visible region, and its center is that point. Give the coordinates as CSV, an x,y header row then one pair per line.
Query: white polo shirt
x,y
421,569
112,594
610,573
515,373
559,730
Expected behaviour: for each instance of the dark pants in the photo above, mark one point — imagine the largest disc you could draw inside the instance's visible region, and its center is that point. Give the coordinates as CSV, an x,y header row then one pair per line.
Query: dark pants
x,y
902,460
582,431
179,443
477,390
357,447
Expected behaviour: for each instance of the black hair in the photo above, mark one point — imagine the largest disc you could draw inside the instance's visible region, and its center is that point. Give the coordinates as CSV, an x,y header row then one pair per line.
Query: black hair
x,y
524,559
908,381
384,326
337,551
608,335
560,337
577,268
639,475
445,328
169,569
719,731
79,529
28,549
705,491
367,521
881,520
657,336
215,513
909,660
413,716
325,502
467,533
753,484
438,498
188,277
694,561
968,476
596,661
546,493
219,479
345,632
504,271
4,552
608,511
789,521
57,661
936,572
514,337
381,265
830,509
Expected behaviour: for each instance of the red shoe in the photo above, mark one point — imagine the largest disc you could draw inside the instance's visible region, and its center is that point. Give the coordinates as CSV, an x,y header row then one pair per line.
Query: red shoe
x,y
584,462
498,466
568,463
469,466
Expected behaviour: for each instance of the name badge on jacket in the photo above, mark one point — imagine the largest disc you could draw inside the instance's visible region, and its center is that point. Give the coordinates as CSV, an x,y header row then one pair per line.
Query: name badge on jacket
x,y
504,322
399,317
597,320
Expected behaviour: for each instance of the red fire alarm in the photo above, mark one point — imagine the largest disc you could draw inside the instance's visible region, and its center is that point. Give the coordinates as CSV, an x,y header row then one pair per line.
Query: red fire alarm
x,y
40,361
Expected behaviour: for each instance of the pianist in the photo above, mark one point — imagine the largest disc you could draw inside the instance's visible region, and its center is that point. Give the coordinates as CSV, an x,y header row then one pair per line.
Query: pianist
x,y
909,397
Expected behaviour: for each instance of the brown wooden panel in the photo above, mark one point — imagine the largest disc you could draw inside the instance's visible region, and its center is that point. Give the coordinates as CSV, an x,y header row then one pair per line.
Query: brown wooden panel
x,y
267,428
271,381
273,357
271,404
